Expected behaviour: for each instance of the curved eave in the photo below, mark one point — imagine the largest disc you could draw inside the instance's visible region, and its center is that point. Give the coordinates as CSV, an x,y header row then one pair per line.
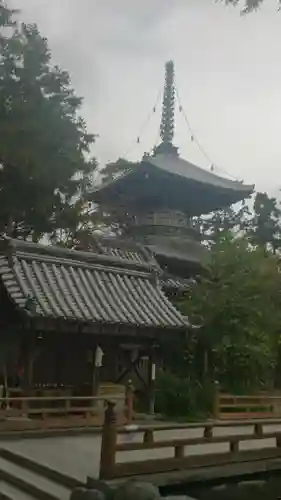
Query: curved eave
x,y
173,254
167,177
177,166
81,293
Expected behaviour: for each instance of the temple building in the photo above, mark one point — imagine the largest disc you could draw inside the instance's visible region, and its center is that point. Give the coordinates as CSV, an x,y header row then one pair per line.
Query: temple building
x,y
160,195
72,320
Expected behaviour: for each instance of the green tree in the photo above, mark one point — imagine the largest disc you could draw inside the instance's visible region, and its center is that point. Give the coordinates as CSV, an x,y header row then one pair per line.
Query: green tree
x,y
44,144
265,225
261,223
115,169
237,303
213,226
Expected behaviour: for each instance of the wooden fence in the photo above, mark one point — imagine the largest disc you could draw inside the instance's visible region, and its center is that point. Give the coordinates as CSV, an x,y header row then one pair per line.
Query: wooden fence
x,y
28,413
228,406
230,454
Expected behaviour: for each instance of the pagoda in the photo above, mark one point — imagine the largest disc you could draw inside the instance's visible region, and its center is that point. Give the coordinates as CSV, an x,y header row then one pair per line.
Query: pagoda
x,y
161,195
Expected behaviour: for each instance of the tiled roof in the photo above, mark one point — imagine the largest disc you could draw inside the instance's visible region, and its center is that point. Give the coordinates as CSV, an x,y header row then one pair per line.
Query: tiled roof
x,y
170,182
189,254
126,249
187,171
174,282
183,168
83,286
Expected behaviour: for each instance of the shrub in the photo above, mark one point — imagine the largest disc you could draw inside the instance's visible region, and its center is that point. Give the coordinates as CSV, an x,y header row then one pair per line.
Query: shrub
x,y
182,397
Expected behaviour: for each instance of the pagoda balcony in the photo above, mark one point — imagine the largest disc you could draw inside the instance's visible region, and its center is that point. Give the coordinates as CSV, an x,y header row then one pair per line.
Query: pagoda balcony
x,y
164,223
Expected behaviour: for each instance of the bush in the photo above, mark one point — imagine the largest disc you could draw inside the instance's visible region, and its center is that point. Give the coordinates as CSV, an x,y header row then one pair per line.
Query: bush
x,y
182,397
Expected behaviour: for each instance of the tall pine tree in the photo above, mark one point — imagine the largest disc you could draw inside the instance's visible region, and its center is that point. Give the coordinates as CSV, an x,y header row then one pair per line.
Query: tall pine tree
x,y
44,143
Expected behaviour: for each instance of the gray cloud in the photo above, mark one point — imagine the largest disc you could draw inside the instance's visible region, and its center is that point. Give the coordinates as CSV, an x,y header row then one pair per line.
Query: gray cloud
x,y
228,74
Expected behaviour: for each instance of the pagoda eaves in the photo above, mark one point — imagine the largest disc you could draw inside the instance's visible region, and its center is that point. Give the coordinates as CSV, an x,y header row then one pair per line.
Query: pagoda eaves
x,y
166,180
159,196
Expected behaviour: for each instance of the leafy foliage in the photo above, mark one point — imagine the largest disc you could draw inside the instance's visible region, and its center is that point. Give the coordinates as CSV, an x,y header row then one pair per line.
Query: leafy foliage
x,y
115,169
265,227
238,305
182,396
44,142
247,5
221,222
261,223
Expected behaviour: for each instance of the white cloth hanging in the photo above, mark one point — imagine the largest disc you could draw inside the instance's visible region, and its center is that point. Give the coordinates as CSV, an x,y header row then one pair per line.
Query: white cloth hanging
x,y
98,357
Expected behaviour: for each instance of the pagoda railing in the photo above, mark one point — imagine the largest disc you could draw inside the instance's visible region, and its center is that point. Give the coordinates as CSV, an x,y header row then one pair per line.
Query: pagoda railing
x,y
165,223
164,218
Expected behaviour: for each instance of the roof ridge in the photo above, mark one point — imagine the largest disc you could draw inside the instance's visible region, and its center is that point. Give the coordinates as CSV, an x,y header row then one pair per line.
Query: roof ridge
x,y
147,158
14,246
211,175
89,294
82,264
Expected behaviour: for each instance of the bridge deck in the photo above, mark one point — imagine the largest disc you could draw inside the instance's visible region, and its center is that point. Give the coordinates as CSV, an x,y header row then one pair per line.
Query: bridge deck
x,y
79,456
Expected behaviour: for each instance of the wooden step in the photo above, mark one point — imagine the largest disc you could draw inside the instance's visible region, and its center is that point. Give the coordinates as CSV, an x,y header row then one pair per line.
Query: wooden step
x,y
30,483
9,492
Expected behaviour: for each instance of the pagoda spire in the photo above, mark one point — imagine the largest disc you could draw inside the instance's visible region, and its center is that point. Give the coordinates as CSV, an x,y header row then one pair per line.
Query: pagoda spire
x,y
167,126
168,106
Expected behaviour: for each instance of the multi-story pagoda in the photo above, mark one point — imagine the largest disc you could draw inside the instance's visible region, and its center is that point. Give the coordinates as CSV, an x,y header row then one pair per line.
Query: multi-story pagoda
x,y
162,194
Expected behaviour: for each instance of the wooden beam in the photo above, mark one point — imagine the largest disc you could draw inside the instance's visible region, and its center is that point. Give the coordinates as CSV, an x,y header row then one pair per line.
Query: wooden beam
x,y
131,366
151,381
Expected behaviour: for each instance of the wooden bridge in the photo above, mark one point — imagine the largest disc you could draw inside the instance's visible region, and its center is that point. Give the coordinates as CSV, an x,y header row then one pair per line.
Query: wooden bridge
x,y
220,449
166,454
188,454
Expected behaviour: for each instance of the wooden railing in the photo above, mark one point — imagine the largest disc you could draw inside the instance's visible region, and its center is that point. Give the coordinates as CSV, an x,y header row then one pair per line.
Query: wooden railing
x,y
230,406
230,452
23,412
46,406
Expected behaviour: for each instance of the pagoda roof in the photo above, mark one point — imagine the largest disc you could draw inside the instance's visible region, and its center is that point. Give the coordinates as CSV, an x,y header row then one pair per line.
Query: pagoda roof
x,y
167,179
85,287
126,250
178,253
174,164
170,282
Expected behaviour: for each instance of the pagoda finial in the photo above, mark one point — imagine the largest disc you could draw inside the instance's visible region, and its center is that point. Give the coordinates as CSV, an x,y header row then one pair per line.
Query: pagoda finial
x,y
168,106
167,125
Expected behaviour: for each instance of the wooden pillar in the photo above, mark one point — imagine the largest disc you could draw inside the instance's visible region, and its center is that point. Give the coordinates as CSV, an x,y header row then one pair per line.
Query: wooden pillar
x,y
59,363
108,443
33,353
151,382
129,409
23,369
216,401
29,353
206,364
30,370
95,380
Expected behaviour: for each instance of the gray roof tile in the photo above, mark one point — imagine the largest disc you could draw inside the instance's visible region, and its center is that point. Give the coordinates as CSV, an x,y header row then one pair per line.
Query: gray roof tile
x,y
183,168
174,282
178,167
76,286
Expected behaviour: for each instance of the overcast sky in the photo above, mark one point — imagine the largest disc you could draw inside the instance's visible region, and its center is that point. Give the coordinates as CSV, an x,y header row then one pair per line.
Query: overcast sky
x,y
228,72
